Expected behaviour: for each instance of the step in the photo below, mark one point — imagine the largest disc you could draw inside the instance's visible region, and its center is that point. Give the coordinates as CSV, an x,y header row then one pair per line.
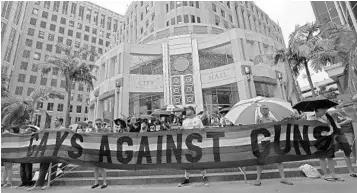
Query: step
x,y
174,179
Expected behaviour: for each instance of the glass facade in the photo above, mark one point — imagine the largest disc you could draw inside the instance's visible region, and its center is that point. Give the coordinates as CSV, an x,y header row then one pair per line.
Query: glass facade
x,y
215,57
146,64
265,89
214,98
145,103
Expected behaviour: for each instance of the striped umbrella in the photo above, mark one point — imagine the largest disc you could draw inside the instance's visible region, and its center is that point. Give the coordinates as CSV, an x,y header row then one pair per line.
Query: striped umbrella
x,y
246,111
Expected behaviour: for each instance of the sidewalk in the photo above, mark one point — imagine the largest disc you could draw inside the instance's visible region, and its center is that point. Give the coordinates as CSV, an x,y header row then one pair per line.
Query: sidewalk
x,y
301,185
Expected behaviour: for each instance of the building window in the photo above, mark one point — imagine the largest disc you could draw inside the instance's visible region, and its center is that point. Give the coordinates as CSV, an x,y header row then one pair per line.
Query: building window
x,y
53,27
41,34
265,89
95,18
226,24
54,18
231,18
198,20
77,44
34,11
54,82
102,20
50,106
179,19
87,28
79,26
60,107
71,108
88,15
39,105
167,23
21,78
61,30
167,7
30,91
44,14
197,4
19,90
37,56
78,119
94,40
69,42
172,5
70,32
228,5
94,31
215,57
56,6
217,20
33,79
79,109
43,81
33,21
3,30
100,42
86,37
49,47
63,84
80,87
30,32
39,45
73,9
63,21
214,8
193,19
78,35
71,23
173,21
24,65
81,13
34,68
86,110
65,7
186,19
60,40
109,23
43,24
26,54
28,43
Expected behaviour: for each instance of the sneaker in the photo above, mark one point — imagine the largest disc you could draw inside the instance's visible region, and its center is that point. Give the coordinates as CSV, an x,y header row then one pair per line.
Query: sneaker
x,y
95,186
103,186
21,186
45,187
6,185
205,181
59,173
186,182
33,188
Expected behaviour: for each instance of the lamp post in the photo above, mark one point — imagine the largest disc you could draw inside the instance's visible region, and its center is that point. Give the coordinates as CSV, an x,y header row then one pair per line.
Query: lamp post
x,y
247,74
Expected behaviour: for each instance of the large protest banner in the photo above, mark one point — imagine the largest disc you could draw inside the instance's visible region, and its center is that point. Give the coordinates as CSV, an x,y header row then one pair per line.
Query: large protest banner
x,y
179,149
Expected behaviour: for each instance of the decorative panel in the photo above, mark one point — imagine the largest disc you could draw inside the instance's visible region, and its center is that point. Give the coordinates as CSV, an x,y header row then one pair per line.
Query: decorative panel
x,y
181,64
190,99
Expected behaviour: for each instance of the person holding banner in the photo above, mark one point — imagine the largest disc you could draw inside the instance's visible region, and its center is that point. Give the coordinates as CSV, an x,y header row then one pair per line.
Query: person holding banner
x,y
268,118
100,129
339,142
192,122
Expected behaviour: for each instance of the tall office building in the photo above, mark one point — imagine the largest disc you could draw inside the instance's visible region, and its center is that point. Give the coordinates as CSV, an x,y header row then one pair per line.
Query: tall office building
x,y
196,53
45,24
12,16
341,12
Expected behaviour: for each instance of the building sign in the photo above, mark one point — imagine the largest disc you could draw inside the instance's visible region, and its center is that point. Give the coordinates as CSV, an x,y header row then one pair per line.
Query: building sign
x,y
146,83
217,76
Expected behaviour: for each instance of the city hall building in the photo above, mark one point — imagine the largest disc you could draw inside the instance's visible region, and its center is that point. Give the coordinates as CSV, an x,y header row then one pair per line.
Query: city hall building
x,y
187,54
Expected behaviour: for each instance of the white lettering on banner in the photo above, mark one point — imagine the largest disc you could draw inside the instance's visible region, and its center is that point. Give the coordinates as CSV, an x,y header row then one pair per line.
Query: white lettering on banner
x,y
146,83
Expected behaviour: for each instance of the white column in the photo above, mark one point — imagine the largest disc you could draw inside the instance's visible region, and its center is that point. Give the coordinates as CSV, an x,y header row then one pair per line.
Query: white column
x,y
197,77
166,74
240,16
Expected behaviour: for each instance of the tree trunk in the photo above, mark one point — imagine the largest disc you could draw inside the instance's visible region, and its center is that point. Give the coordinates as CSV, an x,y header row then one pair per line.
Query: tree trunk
x,y
66,125
309,79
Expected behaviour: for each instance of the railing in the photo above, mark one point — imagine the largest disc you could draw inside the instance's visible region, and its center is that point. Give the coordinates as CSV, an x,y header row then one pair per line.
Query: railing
x,y
49,173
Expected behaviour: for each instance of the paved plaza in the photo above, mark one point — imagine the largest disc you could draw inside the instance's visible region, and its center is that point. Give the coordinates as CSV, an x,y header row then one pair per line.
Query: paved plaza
x,y
301,185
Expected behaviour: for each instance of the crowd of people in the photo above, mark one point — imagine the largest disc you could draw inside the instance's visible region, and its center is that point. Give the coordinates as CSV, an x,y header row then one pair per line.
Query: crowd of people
x,y
190,120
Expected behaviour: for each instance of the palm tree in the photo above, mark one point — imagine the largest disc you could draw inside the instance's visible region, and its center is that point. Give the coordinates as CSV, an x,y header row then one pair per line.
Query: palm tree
x,y
72,69
19,111
338,44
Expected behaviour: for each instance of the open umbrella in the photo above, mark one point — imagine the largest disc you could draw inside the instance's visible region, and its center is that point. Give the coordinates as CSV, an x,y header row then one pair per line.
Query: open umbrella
x,y
146,117
119,122
225,110
311,104
161,112
246,111
82,123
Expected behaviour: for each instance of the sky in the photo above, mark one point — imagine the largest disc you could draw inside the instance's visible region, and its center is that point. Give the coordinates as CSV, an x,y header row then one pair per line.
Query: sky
x,y
286,13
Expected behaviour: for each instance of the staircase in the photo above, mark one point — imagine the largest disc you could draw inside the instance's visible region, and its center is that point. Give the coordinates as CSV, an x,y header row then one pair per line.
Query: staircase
x,y
84,176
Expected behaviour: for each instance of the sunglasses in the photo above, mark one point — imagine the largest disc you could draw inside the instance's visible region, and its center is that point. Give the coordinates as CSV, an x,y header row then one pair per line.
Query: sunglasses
x,y
98,124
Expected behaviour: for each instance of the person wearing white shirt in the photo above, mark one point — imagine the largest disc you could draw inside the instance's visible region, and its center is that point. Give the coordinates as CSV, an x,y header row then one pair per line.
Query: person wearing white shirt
x,y
192,122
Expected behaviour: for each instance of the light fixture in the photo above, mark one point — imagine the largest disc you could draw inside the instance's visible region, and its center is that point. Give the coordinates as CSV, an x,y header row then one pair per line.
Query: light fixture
x,y
247,70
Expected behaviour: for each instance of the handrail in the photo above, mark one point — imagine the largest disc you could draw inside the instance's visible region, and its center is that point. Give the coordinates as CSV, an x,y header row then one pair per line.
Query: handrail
x,y
49,173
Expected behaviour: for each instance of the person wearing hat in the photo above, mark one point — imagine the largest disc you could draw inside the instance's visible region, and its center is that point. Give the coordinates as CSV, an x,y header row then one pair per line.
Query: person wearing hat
x,y
335,136
192,122
120,125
